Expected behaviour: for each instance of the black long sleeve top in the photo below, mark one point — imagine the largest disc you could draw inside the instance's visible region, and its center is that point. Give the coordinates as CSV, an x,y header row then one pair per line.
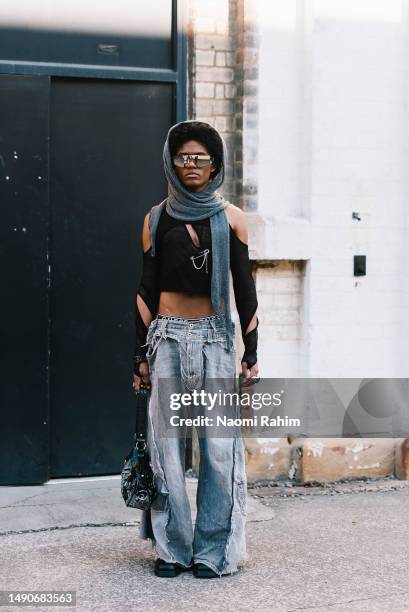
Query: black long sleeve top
x,y
180,265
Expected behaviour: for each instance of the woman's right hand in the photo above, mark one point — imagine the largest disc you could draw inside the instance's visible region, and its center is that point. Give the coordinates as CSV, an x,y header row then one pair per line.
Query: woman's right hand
x,y
144,378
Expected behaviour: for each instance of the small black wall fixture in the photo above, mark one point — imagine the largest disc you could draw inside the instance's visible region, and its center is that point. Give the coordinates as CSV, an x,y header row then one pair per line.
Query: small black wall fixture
x,y
359,265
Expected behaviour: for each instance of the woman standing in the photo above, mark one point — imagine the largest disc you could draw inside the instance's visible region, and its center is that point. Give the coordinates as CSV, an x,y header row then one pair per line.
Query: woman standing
x,y
184,332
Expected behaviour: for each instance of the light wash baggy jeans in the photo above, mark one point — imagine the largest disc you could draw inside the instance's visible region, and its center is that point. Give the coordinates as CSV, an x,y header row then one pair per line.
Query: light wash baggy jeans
x,y
191,351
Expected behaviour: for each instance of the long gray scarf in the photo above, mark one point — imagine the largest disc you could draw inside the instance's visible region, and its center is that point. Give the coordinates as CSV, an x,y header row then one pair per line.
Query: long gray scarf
x,y
187,205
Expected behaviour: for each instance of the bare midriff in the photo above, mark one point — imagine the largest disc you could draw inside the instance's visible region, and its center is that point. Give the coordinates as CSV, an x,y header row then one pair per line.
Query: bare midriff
x,y
182,304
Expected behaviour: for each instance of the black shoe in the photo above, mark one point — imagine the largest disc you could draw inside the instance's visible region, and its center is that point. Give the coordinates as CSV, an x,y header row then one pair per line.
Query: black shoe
x,y
163,569
200,570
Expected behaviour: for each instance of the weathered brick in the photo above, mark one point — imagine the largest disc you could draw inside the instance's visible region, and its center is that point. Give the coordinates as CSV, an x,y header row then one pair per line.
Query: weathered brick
x,y
220,124
205,58
202,117
232,140
229,171
230,91
252,73
238,56
251,39
222,107
215,41
215,74
265,300
204,90
287,317
239,168
239,86
281,300
230,61
286,284
219,90
231,125
220,58
250,87
250,57
204,107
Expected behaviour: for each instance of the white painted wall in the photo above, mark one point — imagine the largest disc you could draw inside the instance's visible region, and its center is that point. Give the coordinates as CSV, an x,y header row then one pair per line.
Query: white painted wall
x,y
333,139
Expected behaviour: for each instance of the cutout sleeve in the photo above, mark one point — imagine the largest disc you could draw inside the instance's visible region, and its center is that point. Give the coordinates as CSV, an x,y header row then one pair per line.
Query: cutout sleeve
x,y
245,296
149,292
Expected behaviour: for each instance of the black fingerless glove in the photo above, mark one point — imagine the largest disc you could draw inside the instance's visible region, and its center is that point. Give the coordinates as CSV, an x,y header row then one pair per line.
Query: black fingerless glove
x,y
250,345
137,360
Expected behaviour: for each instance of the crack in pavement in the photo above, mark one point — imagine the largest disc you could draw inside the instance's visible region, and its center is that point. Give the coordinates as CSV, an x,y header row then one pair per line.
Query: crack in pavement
x,y
72,526
20,502
109,524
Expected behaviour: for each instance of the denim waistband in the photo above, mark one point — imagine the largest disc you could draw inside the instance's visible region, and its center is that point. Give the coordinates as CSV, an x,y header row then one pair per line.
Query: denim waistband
x,y
190,319
179,324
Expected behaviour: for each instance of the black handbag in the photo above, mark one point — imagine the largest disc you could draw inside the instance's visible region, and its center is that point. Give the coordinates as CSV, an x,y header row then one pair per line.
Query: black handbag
x,y
137,481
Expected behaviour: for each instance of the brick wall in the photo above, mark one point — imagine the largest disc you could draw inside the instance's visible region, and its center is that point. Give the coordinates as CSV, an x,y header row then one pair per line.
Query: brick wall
x,y
213,76
222,48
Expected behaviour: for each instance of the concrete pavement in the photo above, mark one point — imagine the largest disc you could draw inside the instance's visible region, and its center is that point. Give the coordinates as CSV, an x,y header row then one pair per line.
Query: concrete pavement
x,y
340,549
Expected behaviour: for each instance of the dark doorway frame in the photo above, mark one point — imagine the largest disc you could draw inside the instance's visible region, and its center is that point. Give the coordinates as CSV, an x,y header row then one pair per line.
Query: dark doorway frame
x,y
178,75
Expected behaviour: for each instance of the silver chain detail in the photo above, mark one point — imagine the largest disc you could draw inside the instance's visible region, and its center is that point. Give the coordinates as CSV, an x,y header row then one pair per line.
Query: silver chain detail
x,y
203,254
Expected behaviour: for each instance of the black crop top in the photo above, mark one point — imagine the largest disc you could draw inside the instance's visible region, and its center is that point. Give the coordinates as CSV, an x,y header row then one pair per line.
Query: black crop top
x,y
180,265
190,267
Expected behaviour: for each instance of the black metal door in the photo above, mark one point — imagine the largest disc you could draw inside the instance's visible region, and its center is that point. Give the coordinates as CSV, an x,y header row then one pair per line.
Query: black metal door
x,y
106,172
80,165
23,271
